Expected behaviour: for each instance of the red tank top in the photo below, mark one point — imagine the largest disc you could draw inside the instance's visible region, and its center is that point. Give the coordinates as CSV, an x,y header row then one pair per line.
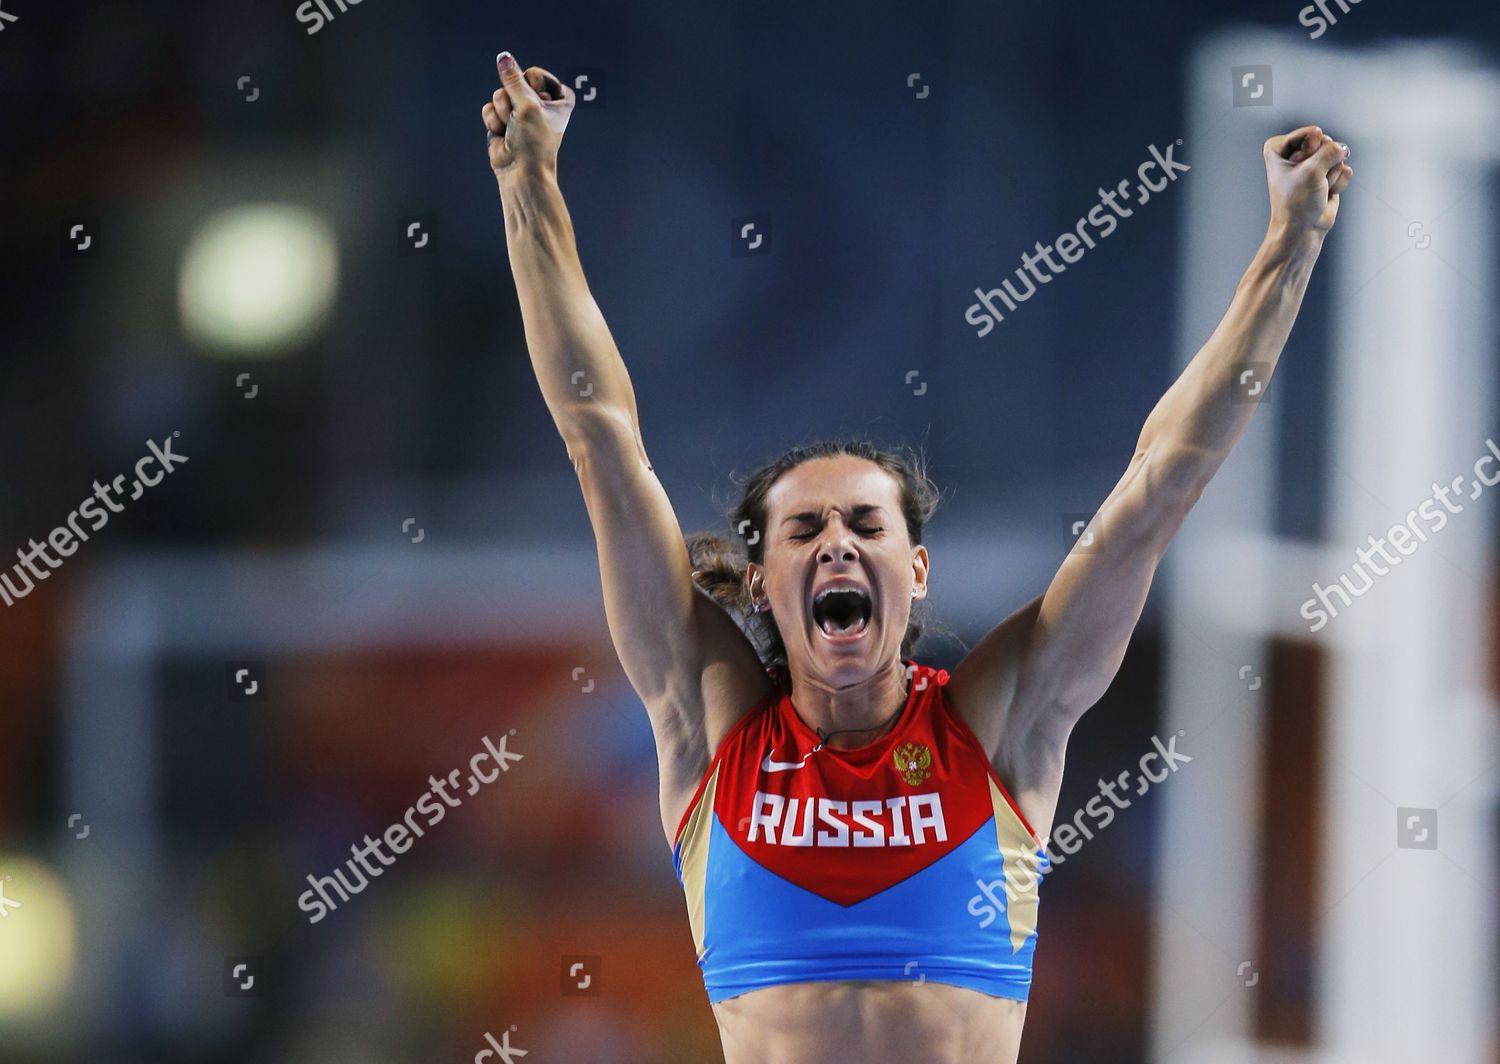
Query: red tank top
x,y
897,834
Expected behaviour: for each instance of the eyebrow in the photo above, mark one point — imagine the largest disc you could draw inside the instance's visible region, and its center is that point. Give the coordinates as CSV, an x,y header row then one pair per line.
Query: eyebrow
x,y
855,514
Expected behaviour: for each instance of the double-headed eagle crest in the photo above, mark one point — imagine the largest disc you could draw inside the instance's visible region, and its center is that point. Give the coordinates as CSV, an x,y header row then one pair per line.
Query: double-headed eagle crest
x,y
913,762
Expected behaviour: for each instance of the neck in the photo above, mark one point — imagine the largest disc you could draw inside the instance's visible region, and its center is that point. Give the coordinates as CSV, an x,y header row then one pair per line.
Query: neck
x,y
853,715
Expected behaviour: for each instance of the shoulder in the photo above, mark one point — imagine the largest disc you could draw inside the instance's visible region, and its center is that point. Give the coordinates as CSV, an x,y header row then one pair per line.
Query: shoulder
x,y
1024,759
986,683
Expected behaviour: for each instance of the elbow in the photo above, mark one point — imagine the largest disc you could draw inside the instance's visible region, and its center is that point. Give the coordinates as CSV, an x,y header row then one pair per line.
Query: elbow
x,y
604,445
1169,481
1176,477
597,426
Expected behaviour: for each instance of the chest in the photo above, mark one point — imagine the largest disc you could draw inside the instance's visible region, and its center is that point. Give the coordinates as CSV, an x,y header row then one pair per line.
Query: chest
x,y
847,825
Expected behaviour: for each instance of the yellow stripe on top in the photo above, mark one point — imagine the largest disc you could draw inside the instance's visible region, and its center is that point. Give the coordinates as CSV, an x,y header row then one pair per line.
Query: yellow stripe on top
x,y
694,857
1022,869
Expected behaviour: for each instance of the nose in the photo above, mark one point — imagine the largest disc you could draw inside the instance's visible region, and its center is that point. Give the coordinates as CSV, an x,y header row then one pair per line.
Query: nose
x,y
837,544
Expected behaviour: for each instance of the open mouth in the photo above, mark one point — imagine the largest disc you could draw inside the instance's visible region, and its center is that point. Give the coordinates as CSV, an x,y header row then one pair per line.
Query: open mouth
x,y
842,613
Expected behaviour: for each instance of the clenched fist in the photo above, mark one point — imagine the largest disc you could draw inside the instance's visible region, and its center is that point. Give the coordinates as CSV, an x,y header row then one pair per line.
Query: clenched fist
x,y
526,117
1306,173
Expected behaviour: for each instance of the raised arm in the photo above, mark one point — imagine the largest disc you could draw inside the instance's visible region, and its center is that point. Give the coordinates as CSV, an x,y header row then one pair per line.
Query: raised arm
x,y
1026,684
692,667
581,374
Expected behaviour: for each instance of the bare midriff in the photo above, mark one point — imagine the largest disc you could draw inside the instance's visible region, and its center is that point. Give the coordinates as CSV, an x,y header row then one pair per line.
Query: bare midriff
x,y
870,1023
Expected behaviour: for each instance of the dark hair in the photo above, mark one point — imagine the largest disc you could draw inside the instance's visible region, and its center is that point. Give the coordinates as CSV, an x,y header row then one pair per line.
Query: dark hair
x,y
720,562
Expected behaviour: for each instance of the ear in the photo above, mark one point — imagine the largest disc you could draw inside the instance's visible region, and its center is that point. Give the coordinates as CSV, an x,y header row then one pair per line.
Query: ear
x,y
919,563
755,581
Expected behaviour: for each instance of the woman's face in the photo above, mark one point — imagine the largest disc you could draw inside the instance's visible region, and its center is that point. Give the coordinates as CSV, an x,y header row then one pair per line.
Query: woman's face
x,y
835,523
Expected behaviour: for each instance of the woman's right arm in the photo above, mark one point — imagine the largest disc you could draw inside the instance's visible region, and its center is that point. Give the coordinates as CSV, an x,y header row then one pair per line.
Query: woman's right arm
x,y
691,665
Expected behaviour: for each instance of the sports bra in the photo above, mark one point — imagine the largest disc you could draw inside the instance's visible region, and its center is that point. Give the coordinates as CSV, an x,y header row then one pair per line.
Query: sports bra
x,y
905,858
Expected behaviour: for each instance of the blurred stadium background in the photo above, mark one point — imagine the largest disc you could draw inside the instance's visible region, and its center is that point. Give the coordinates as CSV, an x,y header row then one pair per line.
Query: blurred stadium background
x,y
284,249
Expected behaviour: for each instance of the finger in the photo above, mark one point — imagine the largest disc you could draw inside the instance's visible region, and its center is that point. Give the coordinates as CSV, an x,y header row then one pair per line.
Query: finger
x,y
522,95
1303,151
547,86
1287,144
1329,157
1341,182
501,100
492,120
1310,147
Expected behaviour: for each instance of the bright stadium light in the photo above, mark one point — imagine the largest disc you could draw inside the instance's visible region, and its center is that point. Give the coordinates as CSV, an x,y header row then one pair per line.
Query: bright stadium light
x,y
257,280
38,938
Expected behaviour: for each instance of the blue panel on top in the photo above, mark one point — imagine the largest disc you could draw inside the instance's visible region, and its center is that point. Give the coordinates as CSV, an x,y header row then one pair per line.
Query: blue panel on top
x,y
761,930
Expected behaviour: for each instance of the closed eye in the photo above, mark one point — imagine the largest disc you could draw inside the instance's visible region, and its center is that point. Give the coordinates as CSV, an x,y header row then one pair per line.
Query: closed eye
x,y
861,531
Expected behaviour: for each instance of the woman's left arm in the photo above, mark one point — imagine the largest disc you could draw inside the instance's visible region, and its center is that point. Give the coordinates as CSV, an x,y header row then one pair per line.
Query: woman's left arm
x,y
1030,679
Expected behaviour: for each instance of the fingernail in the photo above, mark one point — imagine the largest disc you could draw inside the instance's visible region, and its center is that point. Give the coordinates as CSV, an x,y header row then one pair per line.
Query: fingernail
x,y
1346,150
506,61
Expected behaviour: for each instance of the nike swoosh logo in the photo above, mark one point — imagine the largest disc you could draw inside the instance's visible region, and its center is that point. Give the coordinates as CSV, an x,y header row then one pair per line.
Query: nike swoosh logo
x,y
772,765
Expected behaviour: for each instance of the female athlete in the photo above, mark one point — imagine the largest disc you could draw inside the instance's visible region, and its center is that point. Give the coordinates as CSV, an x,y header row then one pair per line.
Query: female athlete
x,y
831,803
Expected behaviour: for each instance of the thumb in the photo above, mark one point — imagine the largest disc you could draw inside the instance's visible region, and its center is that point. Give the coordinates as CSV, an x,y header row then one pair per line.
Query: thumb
x,y
510,76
